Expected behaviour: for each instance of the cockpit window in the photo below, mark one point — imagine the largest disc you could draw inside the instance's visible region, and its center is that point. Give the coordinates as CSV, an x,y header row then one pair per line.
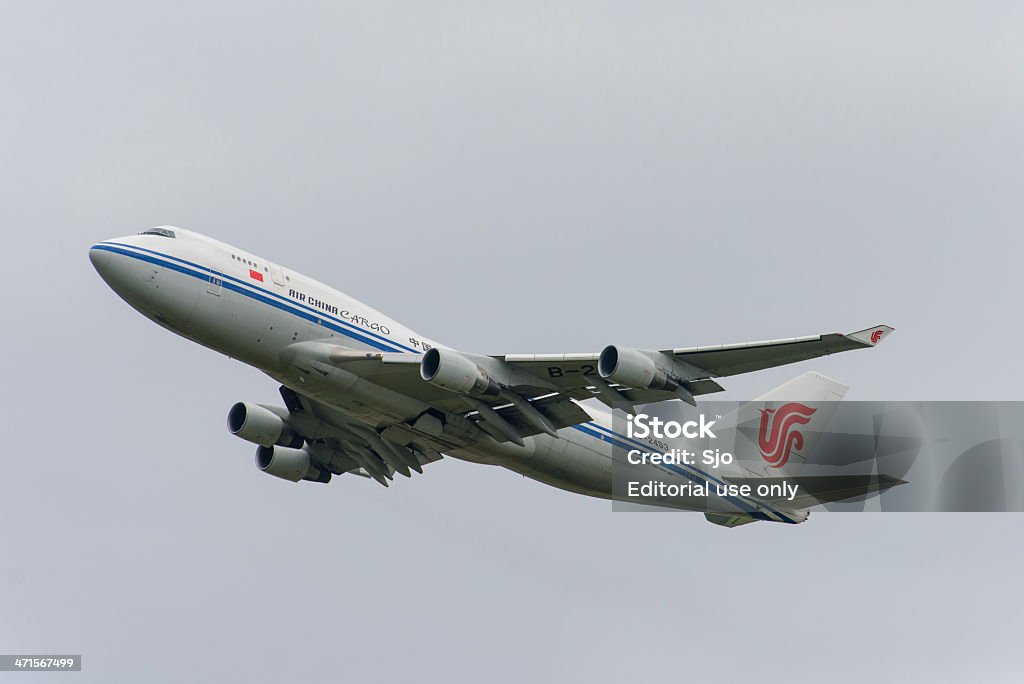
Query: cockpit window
x,y
163,232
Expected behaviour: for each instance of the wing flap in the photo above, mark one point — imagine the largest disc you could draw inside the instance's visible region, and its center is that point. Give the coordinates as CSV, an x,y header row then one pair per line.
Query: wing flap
x,y
343,444
560,411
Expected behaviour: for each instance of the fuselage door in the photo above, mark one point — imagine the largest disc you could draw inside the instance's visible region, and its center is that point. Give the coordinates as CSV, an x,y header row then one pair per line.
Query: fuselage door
x,y
216,283
277,273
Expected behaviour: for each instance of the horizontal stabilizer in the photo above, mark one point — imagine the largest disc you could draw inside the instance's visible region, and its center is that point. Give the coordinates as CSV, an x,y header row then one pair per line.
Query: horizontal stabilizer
x,y
729,520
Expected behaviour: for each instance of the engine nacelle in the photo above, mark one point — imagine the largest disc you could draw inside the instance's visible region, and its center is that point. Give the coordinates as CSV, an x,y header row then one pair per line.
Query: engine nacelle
x,y
455,373
633,368
290,464
260,425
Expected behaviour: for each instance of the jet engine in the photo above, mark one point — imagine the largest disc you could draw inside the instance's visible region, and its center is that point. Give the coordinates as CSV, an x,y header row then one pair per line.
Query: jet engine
x,y
633,368
259,425
290,464
640,369
456,373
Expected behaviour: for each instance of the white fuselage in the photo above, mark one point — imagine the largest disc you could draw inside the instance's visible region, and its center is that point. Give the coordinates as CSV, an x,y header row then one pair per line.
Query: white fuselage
x,y
252,310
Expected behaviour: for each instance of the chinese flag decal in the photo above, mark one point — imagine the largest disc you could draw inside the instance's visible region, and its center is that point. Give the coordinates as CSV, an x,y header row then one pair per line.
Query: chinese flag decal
x,y
255,275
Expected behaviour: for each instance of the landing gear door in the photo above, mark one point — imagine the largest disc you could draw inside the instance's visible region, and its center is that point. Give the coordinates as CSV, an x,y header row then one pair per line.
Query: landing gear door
x,y
277,273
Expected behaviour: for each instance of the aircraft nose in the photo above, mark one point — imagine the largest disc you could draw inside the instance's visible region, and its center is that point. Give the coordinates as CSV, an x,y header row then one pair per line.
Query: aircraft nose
x,y
119,271
103,260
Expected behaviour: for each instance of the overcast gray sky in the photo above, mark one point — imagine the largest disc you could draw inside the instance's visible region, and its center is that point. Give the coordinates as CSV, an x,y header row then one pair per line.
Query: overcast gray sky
x,y
506,178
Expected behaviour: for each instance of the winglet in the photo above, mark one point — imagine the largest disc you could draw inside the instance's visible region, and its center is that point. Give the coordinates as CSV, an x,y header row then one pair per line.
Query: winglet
x,y
869,337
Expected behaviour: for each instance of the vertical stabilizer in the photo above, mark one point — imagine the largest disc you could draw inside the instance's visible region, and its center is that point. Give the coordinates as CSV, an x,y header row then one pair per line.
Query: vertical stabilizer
x,y
778,431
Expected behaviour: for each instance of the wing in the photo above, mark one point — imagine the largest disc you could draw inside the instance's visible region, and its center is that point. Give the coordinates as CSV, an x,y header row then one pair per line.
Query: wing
x,y
693,368
733,359
525,405
512,397
343,445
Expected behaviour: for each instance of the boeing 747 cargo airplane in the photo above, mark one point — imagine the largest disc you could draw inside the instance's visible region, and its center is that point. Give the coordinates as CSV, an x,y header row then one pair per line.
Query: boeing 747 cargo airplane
x,y
365,395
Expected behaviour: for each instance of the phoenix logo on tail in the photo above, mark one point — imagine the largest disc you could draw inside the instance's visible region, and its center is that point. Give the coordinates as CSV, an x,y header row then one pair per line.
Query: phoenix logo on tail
x,y
778,436
876,336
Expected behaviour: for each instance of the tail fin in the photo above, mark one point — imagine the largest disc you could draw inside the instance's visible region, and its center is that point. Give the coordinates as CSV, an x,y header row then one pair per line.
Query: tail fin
x,y
782,426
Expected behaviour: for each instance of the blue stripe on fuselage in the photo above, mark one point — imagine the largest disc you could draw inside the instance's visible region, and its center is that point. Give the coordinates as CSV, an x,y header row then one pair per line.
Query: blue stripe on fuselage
x,y
259,295
203,273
